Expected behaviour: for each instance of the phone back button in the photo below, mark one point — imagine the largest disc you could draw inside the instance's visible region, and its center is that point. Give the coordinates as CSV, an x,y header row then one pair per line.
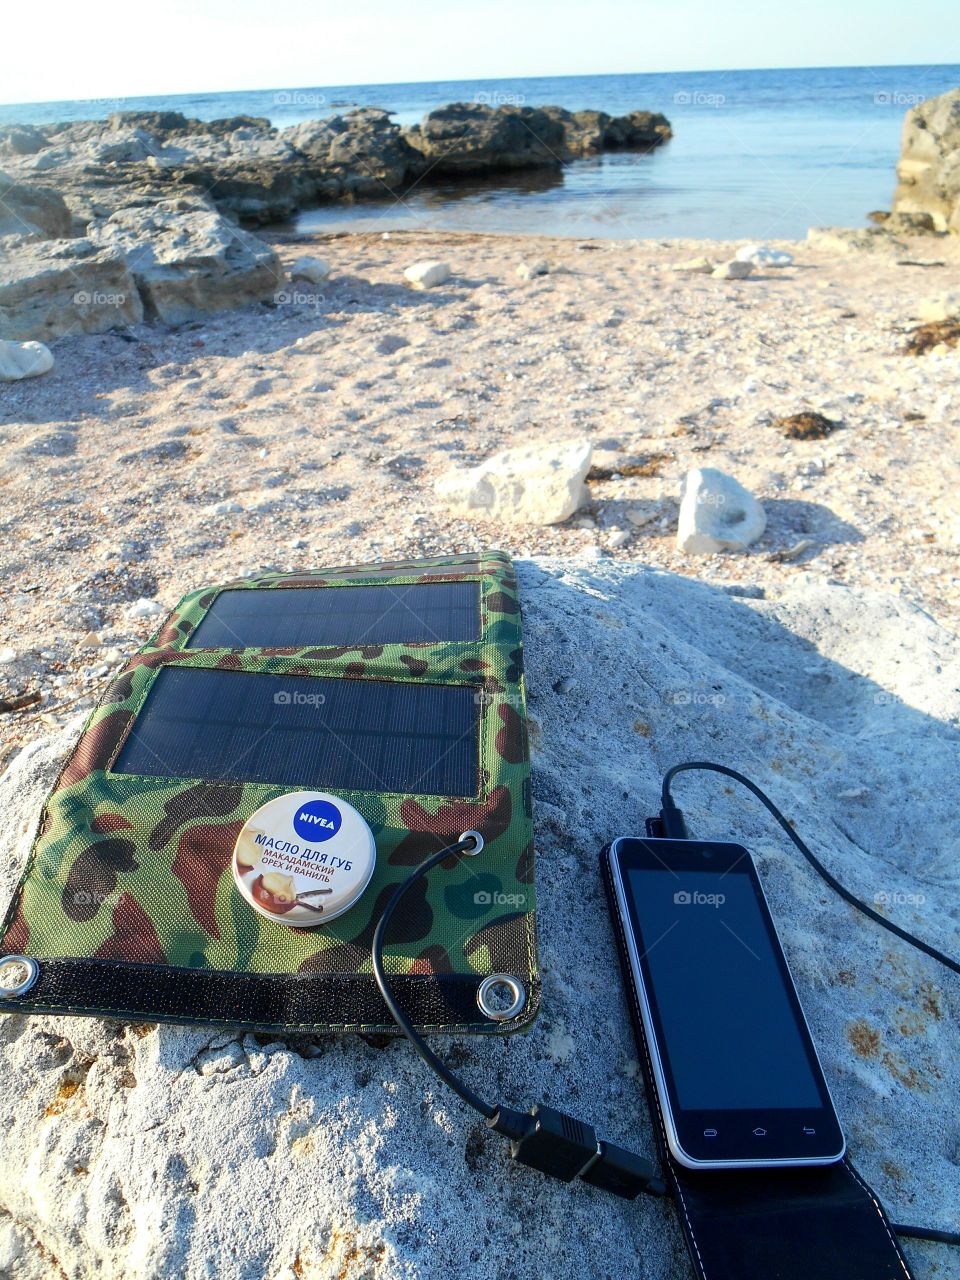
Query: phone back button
x,y
759,1133
709,1133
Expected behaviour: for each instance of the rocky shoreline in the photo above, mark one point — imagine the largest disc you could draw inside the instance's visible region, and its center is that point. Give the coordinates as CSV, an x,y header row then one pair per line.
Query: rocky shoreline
x,y
104,223
257,174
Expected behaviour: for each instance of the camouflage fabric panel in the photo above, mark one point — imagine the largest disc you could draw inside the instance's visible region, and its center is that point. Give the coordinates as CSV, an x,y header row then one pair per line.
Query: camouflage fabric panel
x,y
133,869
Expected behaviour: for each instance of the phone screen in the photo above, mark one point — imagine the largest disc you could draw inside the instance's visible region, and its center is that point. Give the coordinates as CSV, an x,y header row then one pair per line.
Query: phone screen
x,y
733,1060
728,1027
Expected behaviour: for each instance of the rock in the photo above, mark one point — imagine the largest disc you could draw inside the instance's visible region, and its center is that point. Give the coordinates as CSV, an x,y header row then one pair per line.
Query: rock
x,y
391,343
693,266
928,170
427,274
619,538
853,239
587,132
144,608
538,484
941,306
471,137
89,641
315,270
7,655
732,270
31,210
49,288
910,224
23,360
717,514
764,255
188,260
344,1156
226,508
21,140
806,426
528,270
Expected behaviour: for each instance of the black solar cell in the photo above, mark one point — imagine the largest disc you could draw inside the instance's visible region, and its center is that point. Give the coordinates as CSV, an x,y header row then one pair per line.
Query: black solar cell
x,y
289,617
364,735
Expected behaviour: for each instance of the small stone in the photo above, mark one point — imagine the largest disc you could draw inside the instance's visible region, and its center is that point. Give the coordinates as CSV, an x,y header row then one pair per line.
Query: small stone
x,y
639,516
717,514
693,266
732,270
7,655
144,608
314,270
89,641
534,484
427,274
226,508
24,360
297,544
942,306
762,255
527,270
619,538
390,343
788,554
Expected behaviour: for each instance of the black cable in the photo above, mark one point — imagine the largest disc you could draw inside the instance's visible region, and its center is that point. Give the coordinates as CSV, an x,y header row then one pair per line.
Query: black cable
x,y
463,845
675,828
670,809
542,1138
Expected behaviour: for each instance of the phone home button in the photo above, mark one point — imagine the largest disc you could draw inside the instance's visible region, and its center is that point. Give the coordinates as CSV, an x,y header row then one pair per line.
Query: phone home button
x,y
759,1133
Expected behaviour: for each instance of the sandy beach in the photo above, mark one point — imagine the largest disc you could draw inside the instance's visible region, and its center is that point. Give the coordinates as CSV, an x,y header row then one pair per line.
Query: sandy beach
x,y
311,430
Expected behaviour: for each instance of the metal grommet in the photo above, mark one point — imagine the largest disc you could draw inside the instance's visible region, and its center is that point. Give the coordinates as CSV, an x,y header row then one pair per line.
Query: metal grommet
x,y
17,975
478,845
489,986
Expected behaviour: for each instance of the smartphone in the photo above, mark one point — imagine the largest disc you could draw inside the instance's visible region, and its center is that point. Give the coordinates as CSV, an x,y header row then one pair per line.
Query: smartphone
x,y
730,1053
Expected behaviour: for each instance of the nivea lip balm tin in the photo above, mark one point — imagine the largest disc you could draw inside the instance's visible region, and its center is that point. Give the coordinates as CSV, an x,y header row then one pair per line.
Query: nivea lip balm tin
x,y
304,858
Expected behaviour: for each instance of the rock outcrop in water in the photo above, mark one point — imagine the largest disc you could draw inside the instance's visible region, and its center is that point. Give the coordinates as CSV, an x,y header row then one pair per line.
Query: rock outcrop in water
x,y
141,209
928,172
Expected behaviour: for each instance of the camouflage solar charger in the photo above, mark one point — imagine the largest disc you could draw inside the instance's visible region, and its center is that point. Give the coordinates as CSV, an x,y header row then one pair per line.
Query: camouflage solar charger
x,y
397,688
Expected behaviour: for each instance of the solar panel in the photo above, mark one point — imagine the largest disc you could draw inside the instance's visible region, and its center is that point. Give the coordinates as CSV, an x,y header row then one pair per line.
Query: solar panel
x,y
290,617
364,735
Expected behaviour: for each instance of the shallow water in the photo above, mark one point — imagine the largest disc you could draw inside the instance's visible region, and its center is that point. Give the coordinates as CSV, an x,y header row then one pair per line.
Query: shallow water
x,y
763,154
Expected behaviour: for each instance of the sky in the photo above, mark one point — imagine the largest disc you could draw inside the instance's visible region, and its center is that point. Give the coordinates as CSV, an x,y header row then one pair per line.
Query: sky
x,y
62,50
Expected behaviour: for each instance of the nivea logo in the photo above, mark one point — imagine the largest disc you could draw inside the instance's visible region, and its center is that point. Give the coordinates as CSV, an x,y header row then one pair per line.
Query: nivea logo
x,y
317,820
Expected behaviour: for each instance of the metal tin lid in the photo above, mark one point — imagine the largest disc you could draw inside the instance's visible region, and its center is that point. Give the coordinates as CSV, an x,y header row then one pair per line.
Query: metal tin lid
x,y
304,858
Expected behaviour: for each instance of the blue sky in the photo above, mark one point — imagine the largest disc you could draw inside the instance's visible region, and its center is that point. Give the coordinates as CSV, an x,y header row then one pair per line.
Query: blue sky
x,y
122,48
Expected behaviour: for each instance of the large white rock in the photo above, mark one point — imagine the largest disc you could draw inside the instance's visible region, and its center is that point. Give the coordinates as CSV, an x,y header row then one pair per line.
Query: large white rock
x,y
941,306
145,1153
533,484
717,514
23,360
427,274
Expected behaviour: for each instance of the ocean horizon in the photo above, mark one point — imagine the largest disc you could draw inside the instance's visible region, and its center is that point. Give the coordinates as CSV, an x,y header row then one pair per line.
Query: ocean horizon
x,y
762,154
